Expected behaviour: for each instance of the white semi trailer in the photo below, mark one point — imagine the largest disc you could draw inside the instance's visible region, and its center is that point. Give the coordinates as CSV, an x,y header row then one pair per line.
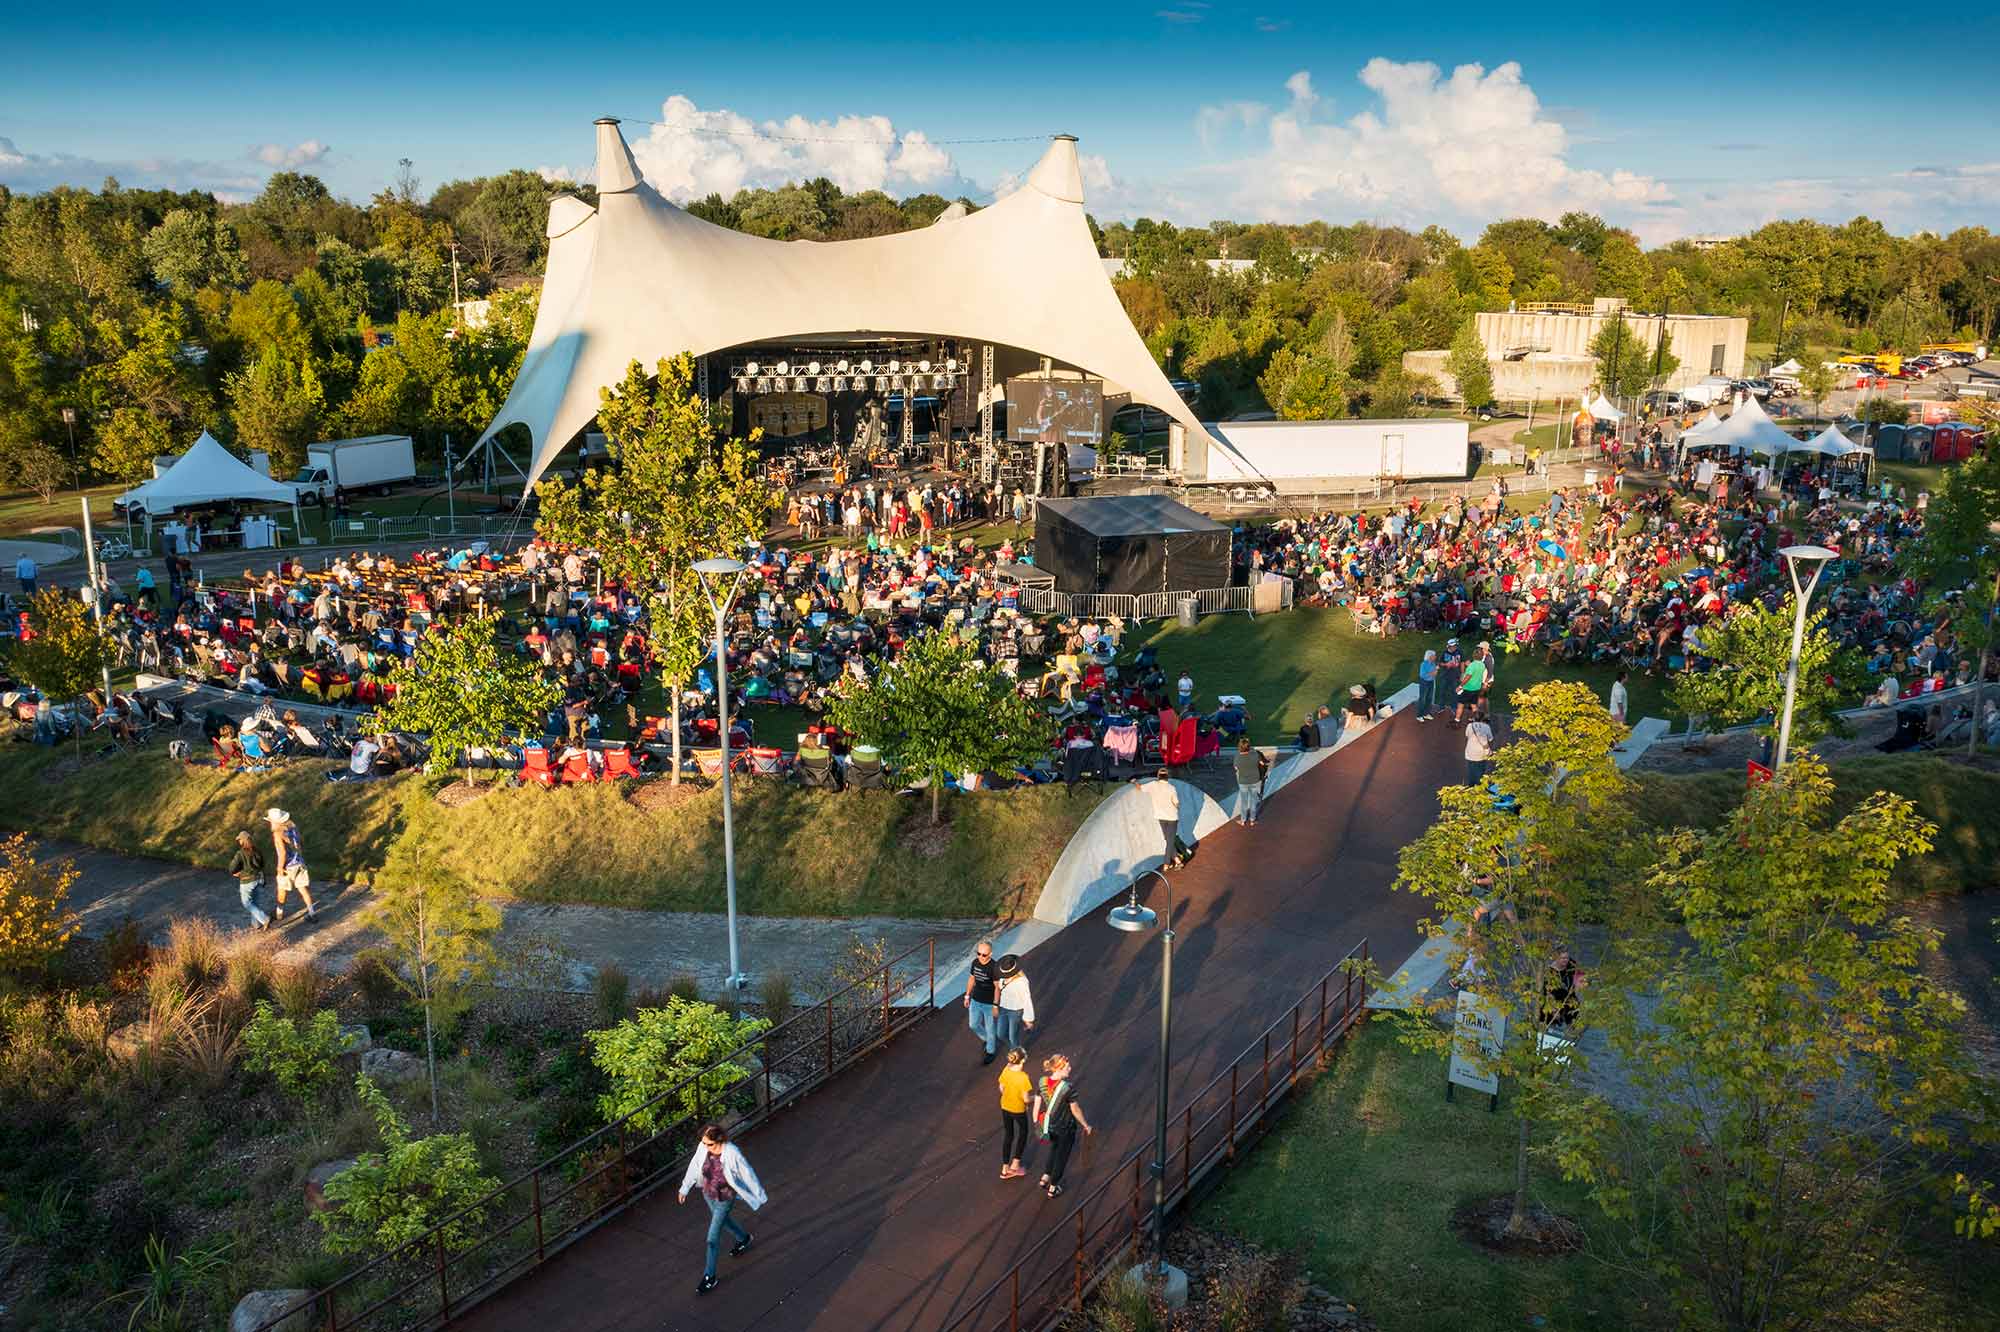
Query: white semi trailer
x,y
373,462
1308,457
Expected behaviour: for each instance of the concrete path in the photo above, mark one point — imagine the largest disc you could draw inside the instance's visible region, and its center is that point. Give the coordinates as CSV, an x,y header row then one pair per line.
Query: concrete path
x,y
886,1211
653,947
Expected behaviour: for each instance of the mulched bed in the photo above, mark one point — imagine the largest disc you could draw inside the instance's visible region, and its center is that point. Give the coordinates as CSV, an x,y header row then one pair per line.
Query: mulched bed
x,y
920,836
656,795
464,793
1483,1222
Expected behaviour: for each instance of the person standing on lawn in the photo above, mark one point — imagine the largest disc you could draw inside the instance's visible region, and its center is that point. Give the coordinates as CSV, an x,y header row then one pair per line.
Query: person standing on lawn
x,y
1015,1089
718,1169
981,986
291,861
1059,1117
247,868
1017,1003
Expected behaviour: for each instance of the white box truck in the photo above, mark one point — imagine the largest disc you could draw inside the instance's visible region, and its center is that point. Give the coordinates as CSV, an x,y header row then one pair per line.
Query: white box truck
x,y
373,462
1306,457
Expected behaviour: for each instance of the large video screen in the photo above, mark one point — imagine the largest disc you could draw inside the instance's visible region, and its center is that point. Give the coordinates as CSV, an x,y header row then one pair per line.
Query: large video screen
x,y
1067,411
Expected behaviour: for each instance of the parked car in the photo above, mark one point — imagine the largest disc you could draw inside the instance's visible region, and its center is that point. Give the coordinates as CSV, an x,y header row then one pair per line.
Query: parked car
x,y
1666,403
1757,388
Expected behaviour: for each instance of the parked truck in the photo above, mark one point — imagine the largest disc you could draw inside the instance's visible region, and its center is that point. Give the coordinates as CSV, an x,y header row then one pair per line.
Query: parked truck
x,y
373,462
1261,458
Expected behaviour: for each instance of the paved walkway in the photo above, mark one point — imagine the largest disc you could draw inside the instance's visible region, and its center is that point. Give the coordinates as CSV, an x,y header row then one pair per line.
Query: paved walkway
x,y
653,947
886,1208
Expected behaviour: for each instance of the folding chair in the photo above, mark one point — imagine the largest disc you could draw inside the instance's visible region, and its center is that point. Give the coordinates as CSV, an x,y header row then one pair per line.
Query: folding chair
x,y
576,767
817,771
767,762
535,766
865,772
618,763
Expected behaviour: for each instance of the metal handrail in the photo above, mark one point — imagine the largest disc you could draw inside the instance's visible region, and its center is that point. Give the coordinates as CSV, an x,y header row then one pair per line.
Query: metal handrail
x,y
894,1019
1084,1263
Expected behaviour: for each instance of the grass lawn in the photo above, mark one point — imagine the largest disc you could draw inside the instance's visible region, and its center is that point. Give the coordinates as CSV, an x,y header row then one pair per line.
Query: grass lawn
x,y
22,511
1287,665
1361,1179
1550,435
799,853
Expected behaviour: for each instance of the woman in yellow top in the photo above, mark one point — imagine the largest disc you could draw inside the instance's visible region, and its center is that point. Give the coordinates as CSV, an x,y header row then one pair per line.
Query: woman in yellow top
x,y
1015,1087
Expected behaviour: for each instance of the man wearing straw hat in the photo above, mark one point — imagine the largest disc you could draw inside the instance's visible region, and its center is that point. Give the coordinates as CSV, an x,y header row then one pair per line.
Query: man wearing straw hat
x,y
291,862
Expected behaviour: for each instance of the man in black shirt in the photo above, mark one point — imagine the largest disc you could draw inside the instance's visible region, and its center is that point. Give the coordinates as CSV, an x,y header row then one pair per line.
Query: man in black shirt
x,y
980,994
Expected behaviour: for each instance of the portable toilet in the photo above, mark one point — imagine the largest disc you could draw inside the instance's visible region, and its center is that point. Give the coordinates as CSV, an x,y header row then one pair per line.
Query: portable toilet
x,y
1944,442
1917,444
1889,443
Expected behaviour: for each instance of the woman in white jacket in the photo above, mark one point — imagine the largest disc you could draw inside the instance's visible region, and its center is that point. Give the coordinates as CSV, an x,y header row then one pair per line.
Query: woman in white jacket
x,y
1016,1003
720,1172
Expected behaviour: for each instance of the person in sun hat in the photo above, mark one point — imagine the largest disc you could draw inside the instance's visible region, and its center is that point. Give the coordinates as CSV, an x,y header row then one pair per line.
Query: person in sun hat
x,y
1017,1003
1450,662
291,874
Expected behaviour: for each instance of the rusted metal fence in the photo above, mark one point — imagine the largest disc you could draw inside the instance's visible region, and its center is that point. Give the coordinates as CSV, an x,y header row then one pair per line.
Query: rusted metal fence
x,y
1109,1226
534,1216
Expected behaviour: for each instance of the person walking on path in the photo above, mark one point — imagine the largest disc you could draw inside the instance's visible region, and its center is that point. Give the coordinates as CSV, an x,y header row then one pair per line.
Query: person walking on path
x,y
1017,1003
291,861
25,570
247,866
1167,809
1015,1089
1059,1117
1471,688
1487,676
1621,698
1478,750
718,1169
981,985
1249,783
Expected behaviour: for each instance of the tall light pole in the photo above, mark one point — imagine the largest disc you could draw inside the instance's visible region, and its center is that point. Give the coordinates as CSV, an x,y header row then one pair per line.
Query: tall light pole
x,y
711,573
1814,558
1132,918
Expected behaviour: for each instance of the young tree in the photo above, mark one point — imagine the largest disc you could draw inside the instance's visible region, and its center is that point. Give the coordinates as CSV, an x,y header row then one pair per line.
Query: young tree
x,y
1556,851
1751,645
389,1198
65,654
439,939
35,919
938,711
1817,381
678,491
1959,557
1626,366
1467,364
1800,1080
464,692
659,1050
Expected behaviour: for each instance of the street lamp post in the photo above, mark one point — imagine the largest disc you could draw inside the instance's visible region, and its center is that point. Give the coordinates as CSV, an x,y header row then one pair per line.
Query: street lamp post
x,y
1814,558
1132,918
711,573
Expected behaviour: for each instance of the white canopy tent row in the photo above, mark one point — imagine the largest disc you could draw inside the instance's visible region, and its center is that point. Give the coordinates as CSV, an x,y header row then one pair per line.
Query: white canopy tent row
x,y
207,473
1830,442
637,278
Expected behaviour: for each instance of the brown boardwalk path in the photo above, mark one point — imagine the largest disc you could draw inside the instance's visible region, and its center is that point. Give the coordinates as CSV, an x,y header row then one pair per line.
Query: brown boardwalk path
x,y
886,1208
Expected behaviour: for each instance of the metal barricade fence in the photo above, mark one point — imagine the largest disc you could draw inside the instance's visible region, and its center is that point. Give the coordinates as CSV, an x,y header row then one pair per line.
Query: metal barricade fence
x,y
1144,605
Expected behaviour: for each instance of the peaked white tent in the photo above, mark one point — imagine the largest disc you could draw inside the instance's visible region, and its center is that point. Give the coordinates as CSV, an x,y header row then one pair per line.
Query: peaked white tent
x,y
206,474
1831,442
1706,426
1790,367
1601,408
639,279
1749,430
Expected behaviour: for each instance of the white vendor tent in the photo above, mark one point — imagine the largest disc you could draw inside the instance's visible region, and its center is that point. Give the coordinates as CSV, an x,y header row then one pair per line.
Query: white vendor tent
x,y
1830,442
1749,430
1602,409
1703,428
206,474
637,278
1790,367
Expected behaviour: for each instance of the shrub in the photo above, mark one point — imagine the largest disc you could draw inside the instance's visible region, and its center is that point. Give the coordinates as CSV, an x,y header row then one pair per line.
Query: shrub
x,y
776,991
373,979
49,1044
125,950
205,1035
299,989
614,992
661,1050
390,1197
196,954
161,1299
685,986
248,974
35,919
299,1058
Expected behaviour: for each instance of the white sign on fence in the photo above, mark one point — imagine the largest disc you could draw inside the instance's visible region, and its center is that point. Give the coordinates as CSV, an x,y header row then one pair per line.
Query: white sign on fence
x,y
1477,1030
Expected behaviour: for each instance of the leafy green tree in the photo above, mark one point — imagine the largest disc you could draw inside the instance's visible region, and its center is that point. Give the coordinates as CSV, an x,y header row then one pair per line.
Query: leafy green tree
x,y
127,443
278,406
1879,410
1303,387
35,919
661,1050
65,655
1468,365
1625,365
35,466
1751,646
1958,558
1800,1079
389,1198
190,250
1817,381
298,1057
678,491
939,711
1558,853
464,691
438,938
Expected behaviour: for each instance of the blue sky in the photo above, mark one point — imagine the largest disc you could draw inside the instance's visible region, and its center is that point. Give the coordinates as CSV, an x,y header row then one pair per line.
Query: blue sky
x,y
1672,122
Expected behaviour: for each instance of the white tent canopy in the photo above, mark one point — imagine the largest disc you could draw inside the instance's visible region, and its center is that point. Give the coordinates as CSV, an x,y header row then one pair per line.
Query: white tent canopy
x,y
1831,442
1600,408
639,279
1790,367
1707,425
206,474
1749,430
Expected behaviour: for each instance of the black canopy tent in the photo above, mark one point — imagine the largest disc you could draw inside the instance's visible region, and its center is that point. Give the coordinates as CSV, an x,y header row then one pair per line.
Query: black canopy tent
x,y
1129,544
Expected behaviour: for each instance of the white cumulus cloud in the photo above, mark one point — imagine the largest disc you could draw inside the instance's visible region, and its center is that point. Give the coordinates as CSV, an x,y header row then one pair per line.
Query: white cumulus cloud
x,y
309,153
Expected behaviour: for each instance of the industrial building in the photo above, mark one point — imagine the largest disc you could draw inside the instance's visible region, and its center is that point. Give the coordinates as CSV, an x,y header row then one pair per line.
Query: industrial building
x,y
1541,351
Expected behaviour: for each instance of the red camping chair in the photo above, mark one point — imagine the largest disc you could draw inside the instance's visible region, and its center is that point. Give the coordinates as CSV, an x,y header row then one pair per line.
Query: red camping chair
x,y
1180,749
768,762
535,766
576,767
618,763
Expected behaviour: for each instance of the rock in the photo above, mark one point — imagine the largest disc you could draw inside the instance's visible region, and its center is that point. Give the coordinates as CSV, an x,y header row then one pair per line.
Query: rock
x,y
391,1067
129,1040
316,1181
257,1308
355,1040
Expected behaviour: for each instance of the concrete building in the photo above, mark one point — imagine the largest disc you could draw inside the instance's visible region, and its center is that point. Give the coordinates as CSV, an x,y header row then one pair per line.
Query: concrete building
x,y
1543,351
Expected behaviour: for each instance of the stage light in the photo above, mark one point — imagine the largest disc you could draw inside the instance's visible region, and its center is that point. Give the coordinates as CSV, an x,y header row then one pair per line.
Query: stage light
x,y
881,383
924,366
868,367
813,369
824,385
842,367
742,384
952,364
750,368
784,367
763,383
798,384
940,381
840,383
895,366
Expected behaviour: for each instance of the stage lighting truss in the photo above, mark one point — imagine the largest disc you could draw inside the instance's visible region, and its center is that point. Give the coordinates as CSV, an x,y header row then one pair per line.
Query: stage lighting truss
x,y
844,376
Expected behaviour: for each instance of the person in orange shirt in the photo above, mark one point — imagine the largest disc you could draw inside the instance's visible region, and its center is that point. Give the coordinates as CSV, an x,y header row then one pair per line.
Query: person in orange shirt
x,y
1015,1088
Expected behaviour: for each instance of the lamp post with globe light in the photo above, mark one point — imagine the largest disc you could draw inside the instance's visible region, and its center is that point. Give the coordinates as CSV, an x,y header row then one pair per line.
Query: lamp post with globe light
x,y
712,572
1814,558
1131,918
